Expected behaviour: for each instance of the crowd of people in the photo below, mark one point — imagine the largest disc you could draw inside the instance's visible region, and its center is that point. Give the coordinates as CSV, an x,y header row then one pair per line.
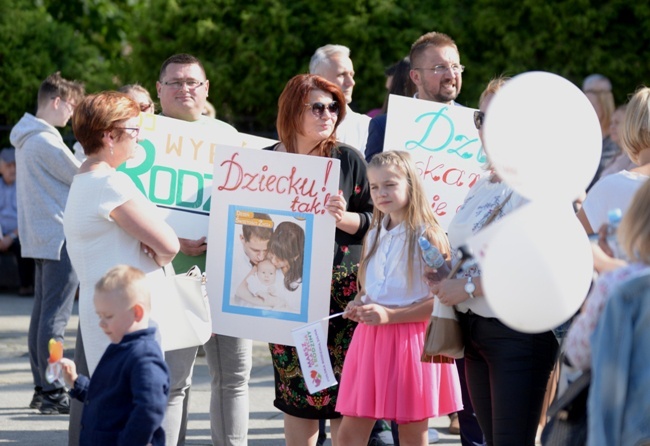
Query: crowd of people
x,y
75,223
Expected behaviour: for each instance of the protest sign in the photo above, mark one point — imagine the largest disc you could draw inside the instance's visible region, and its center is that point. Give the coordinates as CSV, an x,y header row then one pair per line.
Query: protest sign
x,y
444,145
270,243
311,345
173,167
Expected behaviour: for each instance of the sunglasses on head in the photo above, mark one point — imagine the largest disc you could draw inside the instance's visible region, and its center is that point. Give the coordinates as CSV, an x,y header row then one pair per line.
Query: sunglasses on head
x,y
479,119
146,106
318,108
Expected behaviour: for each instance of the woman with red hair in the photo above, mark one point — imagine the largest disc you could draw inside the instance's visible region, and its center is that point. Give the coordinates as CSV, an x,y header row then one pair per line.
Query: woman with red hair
x,y
309,111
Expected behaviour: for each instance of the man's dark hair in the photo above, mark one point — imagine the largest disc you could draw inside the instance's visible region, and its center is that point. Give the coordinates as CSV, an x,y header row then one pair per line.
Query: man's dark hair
x,y
261,232
55,86
180,59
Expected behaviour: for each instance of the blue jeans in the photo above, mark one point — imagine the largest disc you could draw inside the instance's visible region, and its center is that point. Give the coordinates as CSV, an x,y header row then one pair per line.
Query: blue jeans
x,y
55,284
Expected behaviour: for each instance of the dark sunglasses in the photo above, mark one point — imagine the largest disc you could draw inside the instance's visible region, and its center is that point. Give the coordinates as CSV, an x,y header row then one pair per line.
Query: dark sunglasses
x,y
318,108
479,119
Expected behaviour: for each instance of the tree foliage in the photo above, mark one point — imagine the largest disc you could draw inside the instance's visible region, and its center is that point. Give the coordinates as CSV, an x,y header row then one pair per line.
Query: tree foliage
x,y
251,48
34,45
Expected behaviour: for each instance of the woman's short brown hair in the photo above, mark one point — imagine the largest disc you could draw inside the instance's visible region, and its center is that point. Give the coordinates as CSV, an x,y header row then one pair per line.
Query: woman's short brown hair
x,y
98,113
291,107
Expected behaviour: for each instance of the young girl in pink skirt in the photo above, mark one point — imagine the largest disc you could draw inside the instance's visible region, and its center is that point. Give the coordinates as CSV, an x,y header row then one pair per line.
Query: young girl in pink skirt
x,y
383,377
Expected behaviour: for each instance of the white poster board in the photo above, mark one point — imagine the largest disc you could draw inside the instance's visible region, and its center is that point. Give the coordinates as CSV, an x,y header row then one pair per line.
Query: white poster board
x,y
444,145
285,192
173,167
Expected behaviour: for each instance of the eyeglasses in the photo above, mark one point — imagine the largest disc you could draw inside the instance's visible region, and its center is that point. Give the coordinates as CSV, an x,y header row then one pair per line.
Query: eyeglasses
x,y
191,84
133,132
440,69
479,119
318,108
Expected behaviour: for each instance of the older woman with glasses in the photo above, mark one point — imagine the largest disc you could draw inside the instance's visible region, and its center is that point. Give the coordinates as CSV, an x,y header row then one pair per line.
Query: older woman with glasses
x,y
309,111
107,220
506,370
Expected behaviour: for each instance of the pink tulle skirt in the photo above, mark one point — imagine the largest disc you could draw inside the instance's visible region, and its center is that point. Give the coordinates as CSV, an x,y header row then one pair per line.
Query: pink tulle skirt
x,y
383,377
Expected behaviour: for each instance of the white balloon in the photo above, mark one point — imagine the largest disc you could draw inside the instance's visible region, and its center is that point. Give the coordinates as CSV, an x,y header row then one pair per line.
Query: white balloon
x,y
543,137
537,269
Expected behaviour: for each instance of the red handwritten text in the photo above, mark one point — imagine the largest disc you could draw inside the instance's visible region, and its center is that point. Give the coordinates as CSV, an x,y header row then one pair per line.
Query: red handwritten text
x,y
236,177
434,171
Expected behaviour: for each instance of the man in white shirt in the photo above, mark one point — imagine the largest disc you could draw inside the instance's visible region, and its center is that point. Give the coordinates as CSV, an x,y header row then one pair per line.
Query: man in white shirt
x,y
183,91
333,63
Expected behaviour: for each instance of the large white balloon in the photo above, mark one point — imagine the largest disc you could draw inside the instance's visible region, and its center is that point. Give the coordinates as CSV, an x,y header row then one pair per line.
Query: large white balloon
x,y
536,267
543,137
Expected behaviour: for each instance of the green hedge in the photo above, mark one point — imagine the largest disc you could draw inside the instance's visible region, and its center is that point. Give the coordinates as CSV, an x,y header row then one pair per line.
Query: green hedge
x,y
251,48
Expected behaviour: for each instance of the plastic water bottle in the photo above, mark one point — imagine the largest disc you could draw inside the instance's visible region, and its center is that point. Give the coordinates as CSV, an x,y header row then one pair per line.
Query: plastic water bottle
x,y
614,219
434,258
430,254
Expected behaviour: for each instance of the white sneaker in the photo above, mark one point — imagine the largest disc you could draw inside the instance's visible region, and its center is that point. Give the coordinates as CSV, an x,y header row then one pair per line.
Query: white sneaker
x,y
386,437
434,437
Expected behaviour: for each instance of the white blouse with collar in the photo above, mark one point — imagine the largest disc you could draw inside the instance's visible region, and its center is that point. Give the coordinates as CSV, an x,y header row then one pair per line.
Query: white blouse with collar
x,y
386,276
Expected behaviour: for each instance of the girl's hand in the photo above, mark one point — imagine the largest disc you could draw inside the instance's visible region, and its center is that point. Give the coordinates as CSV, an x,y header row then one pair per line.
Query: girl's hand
x,y
373,314
336,206
451,291
69,371
351,310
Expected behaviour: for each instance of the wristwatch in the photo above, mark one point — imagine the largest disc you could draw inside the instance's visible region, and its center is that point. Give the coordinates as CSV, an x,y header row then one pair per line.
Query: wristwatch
x,y
470,287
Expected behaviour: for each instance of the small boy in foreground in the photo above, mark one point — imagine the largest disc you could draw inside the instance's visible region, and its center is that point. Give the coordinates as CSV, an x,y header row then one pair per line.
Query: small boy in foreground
x,y
126,398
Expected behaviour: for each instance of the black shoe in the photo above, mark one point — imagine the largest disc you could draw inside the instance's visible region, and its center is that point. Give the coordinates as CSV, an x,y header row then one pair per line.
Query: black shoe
x,y
55,402
37,399
376,440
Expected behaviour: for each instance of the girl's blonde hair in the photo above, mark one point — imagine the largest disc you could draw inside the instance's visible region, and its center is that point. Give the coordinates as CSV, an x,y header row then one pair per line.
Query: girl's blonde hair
x,y
419,216
634,230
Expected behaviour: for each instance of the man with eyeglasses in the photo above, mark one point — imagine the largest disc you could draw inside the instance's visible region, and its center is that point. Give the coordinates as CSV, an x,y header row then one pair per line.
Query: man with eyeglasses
x,y
437,74
183,91
332,62
45,167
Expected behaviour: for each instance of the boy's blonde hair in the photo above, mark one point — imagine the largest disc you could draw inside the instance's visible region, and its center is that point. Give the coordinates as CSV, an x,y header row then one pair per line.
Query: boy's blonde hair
x,y
419,215
128,283
634,230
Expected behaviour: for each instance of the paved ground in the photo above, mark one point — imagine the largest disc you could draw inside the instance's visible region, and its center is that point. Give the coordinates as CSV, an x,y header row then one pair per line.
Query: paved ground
x,y
23,426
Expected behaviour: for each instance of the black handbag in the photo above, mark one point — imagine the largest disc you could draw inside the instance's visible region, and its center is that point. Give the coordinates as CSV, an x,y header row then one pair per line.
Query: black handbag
x,y
567,416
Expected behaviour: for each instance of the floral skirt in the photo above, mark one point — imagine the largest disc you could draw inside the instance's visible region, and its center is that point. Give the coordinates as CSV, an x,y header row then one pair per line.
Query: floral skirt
x,y
291,395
